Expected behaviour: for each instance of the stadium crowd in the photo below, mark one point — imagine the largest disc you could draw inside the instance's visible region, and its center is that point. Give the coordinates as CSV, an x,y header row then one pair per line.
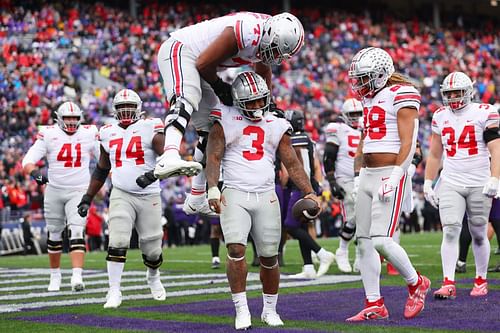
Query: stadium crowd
x,y
48,49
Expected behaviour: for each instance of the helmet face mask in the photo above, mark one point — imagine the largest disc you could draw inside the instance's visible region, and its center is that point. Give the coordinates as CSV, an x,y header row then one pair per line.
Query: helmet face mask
x,y
352,112
283,36
69,117
251,96
127,107
457,90
370,70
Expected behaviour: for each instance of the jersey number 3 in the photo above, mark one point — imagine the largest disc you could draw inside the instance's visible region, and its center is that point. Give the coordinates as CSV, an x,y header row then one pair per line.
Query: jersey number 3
x,y
257,143
66,155
134,150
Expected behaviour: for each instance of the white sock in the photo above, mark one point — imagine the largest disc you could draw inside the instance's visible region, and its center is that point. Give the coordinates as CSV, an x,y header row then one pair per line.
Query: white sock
x,y
449,250
153,272
269,302
55,271
173,139
77,271
240,300
343,244
398,257
322,253
480,248
198,186
309,268
115,270
369,264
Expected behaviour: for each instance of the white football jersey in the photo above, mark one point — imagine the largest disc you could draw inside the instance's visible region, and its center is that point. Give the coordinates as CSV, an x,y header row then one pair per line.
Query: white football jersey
x,y
131,153
380,117
247,28
466,156
68,156
250,151
347,138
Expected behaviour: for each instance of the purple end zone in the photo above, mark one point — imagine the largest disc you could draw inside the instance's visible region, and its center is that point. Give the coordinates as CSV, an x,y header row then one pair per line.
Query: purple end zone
x,y
147,325
336,306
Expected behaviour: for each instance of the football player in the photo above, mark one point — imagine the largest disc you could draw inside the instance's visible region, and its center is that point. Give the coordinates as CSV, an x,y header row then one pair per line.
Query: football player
x,y
342,140
129,148
305,150
245,140
189,62
467,134
68,147
389,141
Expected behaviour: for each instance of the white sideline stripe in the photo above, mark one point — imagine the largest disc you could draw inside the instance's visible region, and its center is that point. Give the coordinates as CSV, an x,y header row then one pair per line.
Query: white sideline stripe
x,y
326,279
102,275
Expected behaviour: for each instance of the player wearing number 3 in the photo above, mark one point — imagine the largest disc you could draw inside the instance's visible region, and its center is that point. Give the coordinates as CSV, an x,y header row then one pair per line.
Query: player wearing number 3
x,y
389,141
245,140
468,132
68,147
128,149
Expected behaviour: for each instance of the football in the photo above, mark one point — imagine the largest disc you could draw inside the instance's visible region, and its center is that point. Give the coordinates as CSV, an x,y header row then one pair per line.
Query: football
x,y
305,210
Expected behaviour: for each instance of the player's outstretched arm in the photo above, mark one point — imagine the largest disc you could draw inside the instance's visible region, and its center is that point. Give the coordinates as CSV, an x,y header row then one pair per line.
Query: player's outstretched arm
x,y
96,181
295,169
215,151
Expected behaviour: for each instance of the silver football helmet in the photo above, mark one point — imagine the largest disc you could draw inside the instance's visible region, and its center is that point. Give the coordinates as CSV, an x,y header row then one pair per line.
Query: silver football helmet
x,y
249,87
352,112
369,71
127,107
457,90
69,117
282,37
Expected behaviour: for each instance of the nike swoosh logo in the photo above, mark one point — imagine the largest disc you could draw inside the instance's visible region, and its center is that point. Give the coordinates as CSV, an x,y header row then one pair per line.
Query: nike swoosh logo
x,y
273,201
194,209
385,178
380,102
161,165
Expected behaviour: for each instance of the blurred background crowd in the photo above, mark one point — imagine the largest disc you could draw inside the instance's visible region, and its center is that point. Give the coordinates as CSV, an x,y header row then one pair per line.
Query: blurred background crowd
x,y
86,52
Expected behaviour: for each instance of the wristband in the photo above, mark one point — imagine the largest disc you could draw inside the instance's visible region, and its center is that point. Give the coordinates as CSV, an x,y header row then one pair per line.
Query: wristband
x,y
213,193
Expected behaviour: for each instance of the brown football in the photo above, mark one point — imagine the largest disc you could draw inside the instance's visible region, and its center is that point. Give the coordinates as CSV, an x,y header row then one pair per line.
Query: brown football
x,y
305,210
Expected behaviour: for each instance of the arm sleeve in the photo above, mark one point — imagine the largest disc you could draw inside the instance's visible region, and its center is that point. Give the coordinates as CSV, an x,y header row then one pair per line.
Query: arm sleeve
x,y
406,97
330,156
493,117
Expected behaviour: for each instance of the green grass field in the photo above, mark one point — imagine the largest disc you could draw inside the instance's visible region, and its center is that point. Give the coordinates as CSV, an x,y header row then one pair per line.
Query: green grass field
x,y
190,279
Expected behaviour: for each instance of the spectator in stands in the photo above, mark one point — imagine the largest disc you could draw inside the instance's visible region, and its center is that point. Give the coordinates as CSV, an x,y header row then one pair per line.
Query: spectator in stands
x,y
29,246
94,229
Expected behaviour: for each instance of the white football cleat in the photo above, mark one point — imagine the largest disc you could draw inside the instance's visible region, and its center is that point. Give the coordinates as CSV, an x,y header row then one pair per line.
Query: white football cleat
x,y
55,282
243,320
113,299
191,207
324,263
156,287
172,166
308,272
271,318
77,283
314,258
342,258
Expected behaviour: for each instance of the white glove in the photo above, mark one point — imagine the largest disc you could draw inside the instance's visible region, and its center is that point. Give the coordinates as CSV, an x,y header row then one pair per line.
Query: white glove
x,y
355,188
389,186
411,170
491,187
429,194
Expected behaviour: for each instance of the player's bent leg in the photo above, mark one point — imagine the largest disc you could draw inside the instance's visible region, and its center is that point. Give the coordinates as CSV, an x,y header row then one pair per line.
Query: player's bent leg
x,y
152,258
115,261
77,253
170,164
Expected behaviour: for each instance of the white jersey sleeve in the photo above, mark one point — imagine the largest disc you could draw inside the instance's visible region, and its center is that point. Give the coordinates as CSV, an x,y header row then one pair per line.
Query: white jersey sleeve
x,y
333,134
131,153
37,151
250,150
347,139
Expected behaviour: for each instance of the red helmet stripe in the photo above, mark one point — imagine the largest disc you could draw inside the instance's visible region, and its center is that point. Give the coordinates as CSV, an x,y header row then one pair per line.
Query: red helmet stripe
x,y
251,82
125,93
451,79
71,107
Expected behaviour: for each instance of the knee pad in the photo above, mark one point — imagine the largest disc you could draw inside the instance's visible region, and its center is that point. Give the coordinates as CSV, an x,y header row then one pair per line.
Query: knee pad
x,y
116,254
154,264
347,233
179,114
151,248
382,245
479,233
76,240
451,233
54,242
273,266
75,231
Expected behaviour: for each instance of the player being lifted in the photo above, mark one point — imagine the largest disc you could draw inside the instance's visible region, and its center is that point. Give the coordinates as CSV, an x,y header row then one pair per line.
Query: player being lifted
x,y
389,140
189,62
128,149
245,140
68,147
467,134
342,140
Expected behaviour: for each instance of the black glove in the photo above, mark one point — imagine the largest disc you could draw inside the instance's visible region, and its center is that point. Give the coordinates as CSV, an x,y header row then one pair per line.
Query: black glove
x,y
223,91
84,205
274,109
337,190
146,179
38,177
